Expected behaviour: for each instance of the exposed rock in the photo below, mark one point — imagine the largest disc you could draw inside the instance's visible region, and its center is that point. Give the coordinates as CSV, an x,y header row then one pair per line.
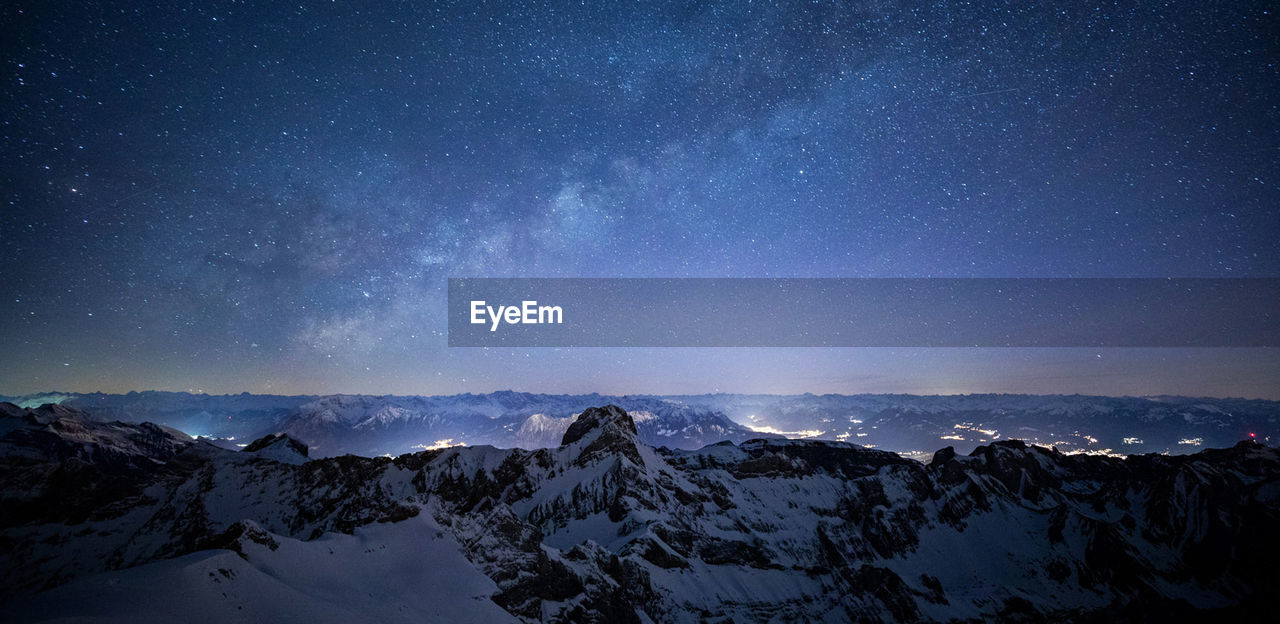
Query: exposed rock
x,y
606,528
279,447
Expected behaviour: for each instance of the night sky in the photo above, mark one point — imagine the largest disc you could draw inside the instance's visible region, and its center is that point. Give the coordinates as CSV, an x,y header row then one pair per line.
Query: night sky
x,y
269,197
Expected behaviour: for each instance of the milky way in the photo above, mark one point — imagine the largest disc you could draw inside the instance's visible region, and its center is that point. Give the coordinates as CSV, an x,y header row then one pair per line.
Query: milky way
x,y
230,197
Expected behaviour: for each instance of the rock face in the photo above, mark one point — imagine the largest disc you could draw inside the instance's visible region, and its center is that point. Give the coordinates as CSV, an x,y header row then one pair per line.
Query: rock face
x,y
607,528
610,420
279,447
54,433
604,431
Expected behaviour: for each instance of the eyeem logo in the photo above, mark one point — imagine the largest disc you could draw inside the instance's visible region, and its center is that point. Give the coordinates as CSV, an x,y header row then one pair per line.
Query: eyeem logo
x,y
528,313
866,312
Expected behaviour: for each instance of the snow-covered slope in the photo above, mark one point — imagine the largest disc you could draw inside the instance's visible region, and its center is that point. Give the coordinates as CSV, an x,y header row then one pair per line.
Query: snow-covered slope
x,y
281,448
605,527
368,576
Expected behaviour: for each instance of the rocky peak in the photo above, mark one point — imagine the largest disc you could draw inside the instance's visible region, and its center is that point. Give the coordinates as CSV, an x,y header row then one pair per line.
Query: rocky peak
x,y
10,410
51,412
609,417
604,430
279,447
942,456
55,432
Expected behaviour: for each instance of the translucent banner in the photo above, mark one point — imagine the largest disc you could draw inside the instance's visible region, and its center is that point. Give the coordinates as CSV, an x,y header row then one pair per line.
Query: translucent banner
x,y
864,312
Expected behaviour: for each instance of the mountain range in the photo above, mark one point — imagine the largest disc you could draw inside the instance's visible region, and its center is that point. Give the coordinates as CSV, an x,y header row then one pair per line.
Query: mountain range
x,y
911,425
108,521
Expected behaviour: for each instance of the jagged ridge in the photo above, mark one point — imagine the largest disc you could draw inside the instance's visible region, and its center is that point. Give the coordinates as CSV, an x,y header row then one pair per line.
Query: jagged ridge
x,y
605,527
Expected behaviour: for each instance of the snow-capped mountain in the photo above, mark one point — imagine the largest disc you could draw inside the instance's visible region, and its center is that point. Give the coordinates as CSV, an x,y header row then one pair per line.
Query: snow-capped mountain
x,y
236,416
604,527
375,425
915,425
391,425
56,433
908,424
279,447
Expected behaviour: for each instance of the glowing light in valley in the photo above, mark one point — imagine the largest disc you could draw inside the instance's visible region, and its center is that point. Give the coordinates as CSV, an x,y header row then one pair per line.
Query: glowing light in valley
x,y
805,433
990,433
438,444
1104,452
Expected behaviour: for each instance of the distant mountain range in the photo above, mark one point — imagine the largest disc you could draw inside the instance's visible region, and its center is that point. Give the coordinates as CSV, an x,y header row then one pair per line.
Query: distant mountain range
x,y
117,522
908,424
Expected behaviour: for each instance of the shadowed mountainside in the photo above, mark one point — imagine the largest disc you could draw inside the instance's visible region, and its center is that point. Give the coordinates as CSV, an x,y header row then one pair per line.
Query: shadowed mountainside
x,y
605,527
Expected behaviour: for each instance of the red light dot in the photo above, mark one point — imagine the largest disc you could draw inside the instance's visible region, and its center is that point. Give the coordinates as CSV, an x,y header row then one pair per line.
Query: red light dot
x,y
1253,435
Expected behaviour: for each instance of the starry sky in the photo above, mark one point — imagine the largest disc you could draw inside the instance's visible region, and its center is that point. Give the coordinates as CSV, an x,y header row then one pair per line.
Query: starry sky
x,y
270,197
